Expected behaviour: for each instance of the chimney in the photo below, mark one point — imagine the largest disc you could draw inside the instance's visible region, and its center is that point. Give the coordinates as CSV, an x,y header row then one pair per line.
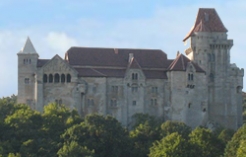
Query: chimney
x,y
130,57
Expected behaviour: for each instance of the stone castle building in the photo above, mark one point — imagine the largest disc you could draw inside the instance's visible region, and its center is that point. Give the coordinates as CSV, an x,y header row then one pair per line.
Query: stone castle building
x,y
200,88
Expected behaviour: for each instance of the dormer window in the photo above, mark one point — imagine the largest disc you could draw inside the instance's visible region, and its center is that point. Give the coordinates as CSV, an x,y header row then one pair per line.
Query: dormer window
x,y
134,76
190,77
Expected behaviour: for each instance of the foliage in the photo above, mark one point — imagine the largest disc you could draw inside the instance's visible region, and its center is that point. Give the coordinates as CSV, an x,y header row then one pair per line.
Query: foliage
x,y
75,150
173,145
233,145
59,131
205,143
105,135
170,127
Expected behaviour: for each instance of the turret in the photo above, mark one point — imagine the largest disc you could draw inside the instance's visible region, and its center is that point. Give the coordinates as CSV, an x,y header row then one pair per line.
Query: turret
x,y
210,49
27,66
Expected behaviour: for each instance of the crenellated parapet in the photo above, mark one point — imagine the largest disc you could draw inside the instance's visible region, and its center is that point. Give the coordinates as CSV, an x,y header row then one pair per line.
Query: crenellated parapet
x,y
236,71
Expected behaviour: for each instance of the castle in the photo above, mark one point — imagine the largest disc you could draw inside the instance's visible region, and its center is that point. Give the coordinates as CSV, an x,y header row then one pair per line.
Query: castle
x,y
200,88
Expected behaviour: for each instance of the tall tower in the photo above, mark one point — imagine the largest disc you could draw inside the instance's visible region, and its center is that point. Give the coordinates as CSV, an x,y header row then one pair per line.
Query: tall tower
x,y
27,66
210,49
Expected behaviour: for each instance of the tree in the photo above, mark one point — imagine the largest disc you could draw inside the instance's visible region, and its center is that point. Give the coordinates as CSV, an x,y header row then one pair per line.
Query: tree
x,y
23,124
173,145
143,136
233,145
205,143
56,119
73,149
170,127
141,118
241,151
104,135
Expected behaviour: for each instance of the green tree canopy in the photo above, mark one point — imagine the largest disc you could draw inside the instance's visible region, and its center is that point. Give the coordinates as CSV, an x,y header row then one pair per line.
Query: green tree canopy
x,y
173,145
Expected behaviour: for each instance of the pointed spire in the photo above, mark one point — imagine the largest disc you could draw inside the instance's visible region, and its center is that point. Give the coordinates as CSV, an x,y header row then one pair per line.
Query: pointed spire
x,y
28,47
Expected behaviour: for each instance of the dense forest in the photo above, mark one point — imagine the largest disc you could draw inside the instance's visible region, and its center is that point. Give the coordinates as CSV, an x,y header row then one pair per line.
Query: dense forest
x,y
61,132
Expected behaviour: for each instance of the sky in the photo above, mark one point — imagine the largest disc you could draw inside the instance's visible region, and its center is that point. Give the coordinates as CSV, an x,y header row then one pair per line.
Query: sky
x,y
55,25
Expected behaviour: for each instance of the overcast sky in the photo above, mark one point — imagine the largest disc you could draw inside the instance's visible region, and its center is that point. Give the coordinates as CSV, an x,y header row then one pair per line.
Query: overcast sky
x,y
55,25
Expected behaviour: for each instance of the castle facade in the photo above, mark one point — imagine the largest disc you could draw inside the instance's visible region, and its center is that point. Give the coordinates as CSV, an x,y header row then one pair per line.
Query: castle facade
x,y
200,88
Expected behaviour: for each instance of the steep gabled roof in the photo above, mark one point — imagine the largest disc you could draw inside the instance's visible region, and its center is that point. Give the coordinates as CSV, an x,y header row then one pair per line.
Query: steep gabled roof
x,y
28,47
180,64
133,64
207,20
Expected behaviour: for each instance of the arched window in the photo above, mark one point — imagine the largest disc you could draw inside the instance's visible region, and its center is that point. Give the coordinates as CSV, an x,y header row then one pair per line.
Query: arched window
x,y
57,78
29,61
62,78
188,76
45,79
50,78
68,78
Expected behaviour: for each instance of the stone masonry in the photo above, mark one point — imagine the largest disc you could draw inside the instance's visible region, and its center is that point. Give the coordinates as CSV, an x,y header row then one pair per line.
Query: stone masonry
x,y
201,88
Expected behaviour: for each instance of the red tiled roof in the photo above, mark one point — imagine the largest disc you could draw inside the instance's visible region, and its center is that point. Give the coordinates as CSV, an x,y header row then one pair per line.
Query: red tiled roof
x,y
81,56
180,64
209,21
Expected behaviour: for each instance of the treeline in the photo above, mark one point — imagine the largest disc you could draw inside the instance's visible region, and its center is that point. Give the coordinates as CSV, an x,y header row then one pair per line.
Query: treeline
x,y
61,132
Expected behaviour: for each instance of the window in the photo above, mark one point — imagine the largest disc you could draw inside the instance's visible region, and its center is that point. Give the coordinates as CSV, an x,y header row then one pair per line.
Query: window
x,y
58,101
134,89
50,78
57,78
113,102
68,78
27,61
27,80
62,78
154,90
189,105
153,102
134,76
190,77
114,89
45,79
134,103
239,89
90,102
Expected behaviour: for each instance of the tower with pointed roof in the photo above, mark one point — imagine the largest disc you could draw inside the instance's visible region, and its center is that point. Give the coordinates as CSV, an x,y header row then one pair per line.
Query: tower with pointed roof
x,y
27,66
199,89
210,49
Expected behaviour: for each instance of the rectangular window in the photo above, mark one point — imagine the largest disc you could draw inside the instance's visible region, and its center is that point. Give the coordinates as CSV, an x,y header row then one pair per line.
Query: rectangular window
x,y
134,103
154,90
115,89
134,89
134,76
113,102
27,80
90,102
153,102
